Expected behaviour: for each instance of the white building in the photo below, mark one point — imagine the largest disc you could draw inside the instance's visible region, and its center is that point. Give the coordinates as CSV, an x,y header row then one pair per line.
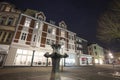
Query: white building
x,y
97,53
26,36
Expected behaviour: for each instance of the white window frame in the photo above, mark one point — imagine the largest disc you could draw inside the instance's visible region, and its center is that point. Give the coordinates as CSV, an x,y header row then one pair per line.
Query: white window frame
x,y
27,22
23,36
7,9
54,31
62,33
36,25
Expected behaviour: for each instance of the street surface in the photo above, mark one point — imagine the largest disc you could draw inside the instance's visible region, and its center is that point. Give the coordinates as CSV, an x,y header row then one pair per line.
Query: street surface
x,y
103,72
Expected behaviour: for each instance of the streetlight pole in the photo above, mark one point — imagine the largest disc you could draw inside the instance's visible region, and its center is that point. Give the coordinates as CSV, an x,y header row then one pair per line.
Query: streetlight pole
x,y
62,58
32,58
111,57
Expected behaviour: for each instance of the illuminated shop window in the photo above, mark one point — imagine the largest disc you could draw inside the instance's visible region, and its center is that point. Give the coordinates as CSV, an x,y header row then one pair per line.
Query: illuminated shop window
x,y
39,59
23,57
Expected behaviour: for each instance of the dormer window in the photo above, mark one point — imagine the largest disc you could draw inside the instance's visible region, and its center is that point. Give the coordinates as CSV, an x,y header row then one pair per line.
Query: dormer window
x,y
40,16
63,25
7,9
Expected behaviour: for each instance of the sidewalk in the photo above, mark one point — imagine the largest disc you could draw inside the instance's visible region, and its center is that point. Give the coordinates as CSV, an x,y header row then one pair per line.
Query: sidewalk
x,y
24,69
30,73
109,66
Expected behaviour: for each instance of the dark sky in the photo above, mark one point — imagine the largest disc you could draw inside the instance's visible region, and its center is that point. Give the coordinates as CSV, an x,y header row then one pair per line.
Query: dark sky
x,y
80,15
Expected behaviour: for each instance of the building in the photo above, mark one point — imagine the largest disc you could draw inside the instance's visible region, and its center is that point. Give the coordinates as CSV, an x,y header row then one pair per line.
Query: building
x,y
25,36
82,57
30,37
97,53
9,16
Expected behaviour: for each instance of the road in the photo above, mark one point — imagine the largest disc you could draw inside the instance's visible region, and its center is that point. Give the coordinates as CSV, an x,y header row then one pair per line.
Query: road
x,y
69,73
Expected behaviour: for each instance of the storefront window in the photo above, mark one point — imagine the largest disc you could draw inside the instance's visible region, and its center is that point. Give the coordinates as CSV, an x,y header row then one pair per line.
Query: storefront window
x,y
23,57
70,61
39,59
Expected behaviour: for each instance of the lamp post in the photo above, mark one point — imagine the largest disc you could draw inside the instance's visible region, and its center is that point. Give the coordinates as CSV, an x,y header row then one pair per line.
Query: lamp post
x,y
111,59
32,58
110,55
62,65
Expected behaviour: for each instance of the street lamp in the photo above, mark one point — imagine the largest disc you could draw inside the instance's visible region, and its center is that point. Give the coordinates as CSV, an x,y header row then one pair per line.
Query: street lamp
x,y
62,52
111,55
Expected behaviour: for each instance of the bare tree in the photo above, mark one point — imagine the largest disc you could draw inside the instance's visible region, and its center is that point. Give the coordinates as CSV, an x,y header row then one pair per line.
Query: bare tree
x,y
109,24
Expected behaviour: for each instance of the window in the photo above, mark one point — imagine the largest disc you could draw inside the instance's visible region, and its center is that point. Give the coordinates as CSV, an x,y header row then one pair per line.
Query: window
x,y
34,38
2,7
80,46
40,18
4,36
53,31
2,20
62,33
23,37
27,22
96,53
72,37
9,37
36,25
10,21
69,46
0,33
23,57
73,47
94,47
48,41
80,40
49,30
90,53
52,41
7,9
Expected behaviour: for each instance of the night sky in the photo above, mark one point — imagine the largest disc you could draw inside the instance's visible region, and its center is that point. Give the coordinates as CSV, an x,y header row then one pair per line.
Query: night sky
x,y
80,15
